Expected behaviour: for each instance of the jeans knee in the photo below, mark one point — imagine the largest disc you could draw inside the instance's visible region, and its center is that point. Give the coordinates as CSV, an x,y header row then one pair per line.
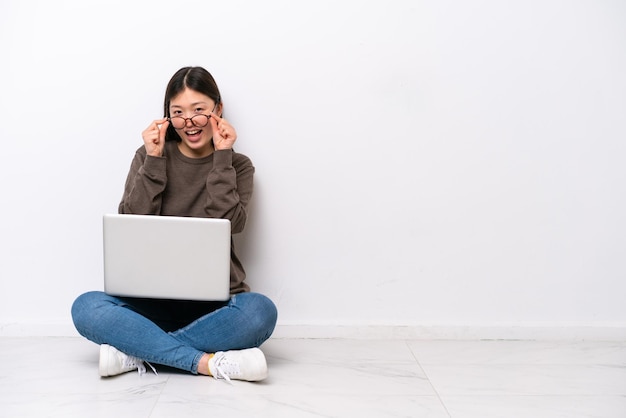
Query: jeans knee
x,y
83,309
271,313
262,313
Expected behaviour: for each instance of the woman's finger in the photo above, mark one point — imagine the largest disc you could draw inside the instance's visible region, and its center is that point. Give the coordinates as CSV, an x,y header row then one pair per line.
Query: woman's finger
x,y
163,130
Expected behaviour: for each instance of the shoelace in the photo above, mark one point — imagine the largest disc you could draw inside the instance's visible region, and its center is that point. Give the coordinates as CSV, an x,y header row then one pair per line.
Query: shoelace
x,y
134,362
224,367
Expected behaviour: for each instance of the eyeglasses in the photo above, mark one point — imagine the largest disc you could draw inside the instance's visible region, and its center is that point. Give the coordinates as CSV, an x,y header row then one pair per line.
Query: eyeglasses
x,y
199,120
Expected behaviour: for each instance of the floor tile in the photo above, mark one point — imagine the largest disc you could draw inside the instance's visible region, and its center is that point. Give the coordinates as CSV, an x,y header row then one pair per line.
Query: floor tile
x,y
536,406
527,380
114,404
520,352
289,406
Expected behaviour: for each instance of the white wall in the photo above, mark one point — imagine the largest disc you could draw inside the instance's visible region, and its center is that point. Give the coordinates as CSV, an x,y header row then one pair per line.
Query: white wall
x,y
433,163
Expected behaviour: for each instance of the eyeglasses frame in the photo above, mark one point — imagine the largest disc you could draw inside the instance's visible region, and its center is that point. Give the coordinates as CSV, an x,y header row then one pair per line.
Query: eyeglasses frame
x,y
169,119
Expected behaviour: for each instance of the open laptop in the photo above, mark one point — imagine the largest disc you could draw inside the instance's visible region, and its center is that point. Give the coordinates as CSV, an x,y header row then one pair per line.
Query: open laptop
x,y
166,257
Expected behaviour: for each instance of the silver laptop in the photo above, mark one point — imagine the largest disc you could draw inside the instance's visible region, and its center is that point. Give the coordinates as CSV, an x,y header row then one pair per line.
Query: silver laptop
x,y
166,257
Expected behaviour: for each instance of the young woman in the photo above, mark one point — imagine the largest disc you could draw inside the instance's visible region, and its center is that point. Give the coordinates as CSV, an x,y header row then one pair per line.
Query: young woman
x,y
185,167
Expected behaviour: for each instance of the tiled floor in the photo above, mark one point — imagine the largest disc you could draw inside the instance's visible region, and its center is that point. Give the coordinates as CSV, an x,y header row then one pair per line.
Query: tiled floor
x,y
57,377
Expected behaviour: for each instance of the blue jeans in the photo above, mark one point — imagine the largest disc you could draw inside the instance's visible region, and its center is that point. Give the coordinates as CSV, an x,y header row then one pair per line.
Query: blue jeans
x,y
174,333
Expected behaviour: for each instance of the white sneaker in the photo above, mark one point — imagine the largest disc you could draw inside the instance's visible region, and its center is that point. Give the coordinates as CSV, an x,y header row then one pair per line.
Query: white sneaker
x,y
114,362
246,364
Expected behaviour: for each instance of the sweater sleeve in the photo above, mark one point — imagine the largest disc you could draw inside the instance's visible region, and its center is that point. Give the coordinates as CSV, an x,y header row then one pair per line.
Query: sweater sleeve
x,y
145,184
229,187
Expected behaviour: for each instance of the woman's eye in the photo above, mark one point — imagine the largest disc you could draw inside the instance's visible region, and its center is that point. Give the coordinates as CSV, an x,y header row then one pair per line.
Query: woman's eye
x,y
199,110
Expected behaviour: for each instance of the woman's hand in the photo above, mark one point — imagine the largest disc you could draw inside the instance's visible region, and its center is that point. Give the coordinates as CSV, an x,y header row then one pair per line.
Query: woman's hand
x,y
154,137
224,135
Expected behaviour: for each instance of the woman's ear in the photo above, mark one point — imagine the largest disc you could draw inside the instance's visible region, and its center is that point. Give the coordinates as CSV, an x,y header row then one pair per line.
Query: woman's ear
x,y
219,109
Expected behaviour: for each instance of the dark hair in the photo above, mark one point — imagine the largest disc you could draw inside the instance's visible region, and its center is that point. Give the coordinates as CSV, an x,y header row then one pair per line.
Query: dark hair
x,y
194,78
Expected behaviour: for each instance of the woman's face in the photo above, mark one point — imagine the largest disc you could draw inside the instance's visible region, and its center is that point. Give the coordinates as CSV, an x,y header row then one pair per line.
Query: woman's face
x,y
195,140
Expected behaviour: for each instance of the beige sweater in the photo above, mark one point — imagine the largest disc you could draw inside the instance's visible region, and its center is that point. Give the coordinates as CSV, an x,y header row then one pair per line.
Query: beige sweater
x,y
217,186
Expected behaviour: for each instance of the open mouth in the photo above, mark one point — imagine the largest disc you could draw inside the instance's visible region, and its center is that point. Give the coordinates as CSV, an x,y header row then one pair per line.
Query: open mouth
x,y
193,134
